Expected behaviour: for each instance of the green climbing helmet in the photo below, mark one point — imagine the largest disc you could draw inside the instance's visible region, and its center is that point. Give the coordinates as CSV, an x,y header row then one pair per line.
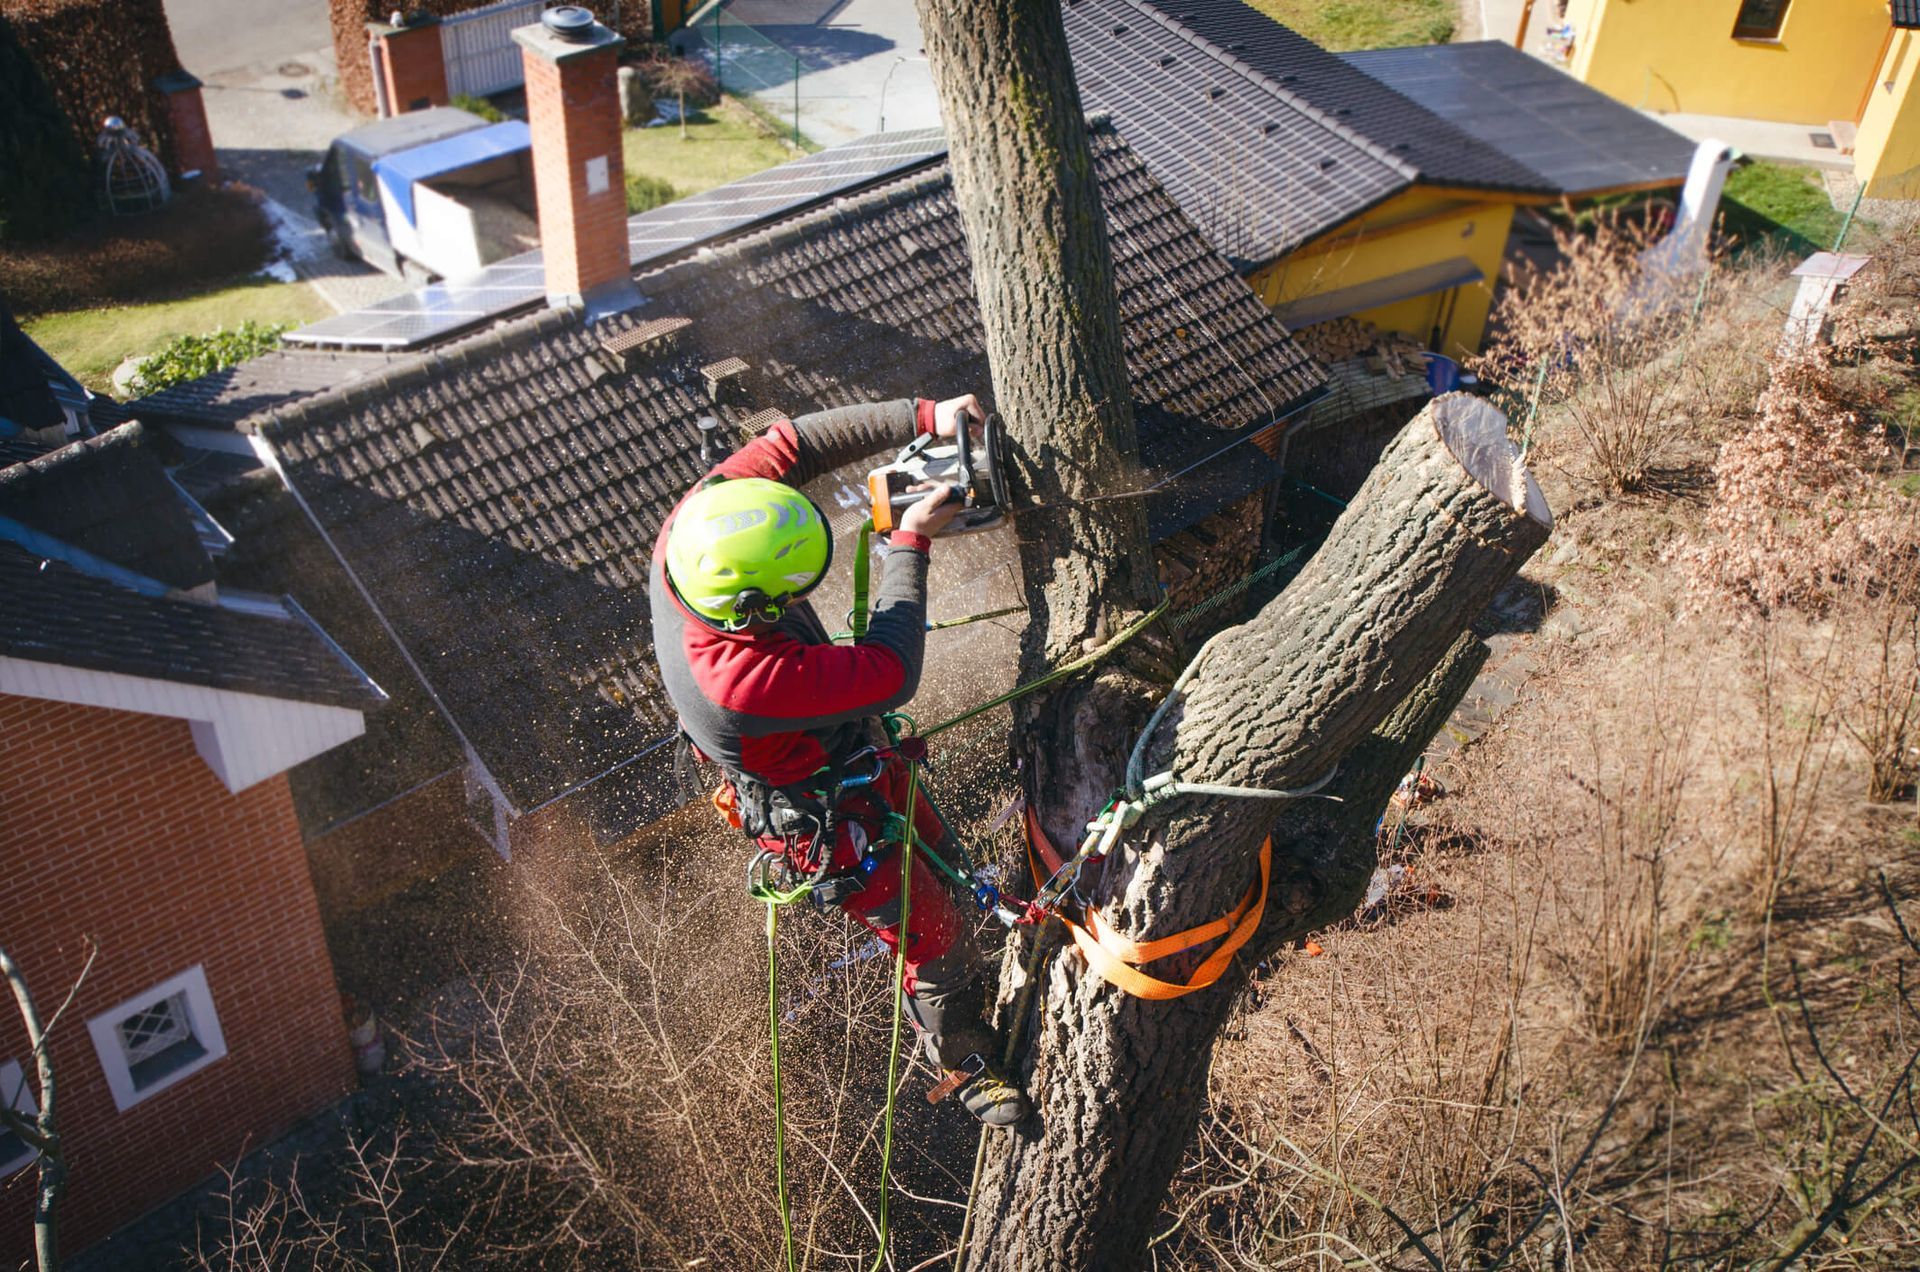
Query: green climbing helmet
x,y
746,548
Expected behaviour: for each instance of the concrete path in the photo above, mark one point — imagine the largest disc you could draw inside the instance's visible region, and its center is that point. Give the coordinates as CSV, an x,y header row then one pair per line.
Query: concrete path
x,y
1761,138
860,66
273,105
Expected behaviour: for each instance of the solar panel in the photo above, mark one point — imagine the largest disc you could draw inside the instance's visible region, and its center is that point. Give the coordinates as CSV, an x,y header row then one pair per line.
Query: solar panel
x,y
1906,14
442,309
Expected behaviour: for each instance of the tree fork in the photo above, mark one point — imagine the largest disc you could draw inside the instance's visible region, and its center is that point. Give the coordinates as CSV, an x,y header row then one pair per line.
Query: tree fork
x,y
1358,655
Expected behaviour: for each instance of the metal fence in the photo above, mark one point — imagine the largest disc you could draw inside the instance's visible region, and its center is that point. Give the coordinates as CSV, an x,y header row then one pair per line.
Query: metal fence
x,y
481,57
747,63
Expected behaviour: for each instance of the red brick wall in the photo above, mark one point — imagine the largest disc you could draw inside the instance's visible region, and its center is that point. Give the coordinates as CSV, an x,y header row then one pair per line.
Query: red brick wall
x,y
573,108
112,826
192,140
416,68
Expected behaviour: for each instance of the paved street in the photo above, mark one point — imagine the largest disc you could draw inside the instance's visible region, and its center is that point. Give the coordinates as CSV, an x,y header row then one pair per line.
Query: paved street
x,y
273,107
850,54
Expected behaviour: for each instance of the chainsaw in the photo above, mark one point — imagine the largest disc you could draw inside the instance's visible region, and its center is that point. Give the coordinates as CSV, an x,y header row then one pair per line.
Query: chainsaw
x,y
976,472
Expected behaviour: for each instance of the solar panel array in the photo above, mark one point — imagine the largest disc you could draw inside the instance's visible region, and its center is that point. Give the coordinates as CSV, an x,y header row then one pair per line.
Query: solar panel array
x,y
441,309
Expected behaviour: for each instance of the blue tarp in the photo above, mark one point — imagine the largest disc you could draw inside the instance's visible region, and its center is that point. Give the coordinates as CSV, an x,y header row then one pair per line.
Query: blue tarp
x,y
398,172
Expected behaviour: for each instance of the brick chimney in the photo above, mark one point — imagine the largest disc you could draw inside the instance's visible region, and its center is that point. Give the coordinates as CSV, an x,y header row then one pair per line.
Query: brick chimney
x,y
413,64
579,177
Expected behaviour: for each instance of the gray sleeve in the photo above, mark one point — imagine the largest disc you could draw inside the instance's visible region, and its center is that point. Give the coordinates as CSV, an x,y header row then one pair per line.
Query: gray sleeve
x,y
831,439
899,619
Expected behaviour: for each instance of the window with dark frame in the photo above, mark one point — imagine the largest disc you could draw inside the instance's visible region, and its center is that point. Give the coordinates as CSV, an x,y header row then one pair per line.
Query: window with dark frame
x,y
1760,19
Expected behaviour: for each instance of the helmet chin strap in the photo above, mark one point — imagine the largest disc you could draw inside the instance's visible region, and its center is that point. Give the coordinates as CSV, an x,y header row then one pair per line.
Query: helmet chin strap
x,y
754,603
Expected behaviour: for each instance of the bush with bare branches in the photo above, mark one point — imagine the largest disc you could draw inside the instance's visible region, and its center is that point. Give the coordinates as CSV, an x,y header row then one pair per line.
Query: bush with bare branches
x,y
1607,340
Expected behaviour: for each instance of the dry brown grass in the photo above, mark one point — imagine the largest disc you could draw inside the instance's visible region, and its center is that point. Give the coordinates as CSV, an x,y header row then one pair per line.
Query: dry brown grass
x,y
1668,1016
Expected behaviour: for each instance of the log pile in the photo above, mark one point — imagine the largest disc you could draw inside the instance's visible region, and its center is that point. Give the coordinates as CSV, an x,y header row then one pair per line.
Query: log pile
x,y
1386,352
1215,554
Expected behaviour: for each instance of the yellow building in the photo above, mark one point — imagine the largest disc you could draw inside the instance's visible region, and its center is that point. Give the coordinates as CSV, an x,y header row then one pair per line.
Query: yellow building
x,y
1379,186
1840,66
1423,263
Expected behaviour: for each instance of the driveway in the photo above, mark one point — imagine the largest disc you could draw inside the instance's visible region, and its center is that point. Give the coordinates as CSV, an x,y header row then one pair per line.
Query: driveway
x,y
859,62
273,106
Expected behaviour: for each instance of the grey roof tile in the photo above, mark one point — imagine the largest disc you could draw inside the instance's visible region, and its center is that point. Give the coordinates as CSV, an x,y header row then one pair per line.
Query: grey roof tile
x,y
259,384
1577,137
1266,139
511,555
57,614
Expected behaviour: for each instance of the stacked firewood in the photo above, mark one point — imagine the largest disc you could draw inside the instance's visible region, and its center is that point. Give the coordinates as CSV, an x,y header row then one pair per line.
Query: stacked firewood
x,y
1212,555
1386,352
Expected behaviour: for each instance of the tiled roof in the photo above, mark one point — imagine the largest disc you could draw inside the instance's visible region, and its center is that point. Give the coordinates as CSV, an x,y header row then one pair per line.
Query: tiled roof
x,y
109,496
499,496
260,384
57,614
1267,139
1577,137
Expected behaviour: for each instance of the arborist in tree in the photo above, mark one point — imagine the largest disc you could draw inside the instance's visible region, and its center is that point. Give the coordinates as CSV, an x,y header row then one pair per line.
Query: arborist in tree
x,y
792,718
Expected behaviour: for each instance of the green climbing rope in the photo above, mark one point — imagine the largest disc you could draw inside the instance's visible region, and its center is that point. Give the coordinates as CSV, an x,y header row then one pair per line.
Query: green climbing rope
x,y
779,1104
891,723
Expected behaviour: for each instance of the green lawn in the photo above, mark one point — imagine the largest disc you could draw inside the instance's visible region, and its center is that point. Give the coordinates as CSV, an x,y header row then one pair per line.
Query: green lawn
x,y
90,343
1791,198
1341,25
723,143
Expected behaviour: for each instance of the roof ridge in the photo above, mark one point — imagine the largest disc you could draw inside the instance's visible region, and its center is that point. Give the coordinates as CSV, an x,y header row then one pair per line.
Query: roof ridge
x,y
1247,70
408,372
50,463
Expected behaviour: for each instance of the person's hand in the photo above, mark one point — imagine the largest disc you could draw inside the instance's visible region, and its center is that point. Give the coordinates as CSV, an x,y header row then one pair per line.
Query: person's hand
x,y
946,415
934,513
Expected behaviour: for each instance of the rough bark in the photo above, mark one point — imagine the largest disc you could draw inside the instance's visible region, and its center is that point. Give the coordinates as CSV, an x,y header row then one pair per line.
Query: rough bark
x,y
1028,195
1119,1082
1350,664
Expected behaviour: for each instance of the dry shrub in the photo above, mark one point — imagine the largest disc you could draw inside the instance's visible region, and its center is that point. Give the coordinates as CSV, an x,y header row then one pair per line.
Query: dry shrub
x,y
1800,507
1608,342
617,1084
371,1214
203,235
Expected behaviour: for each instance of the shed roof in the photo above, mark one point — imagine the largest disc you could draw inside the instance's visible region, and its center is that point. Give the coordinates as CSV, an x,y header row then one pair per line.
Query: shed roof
x,y
1266,139
499,496
1581,140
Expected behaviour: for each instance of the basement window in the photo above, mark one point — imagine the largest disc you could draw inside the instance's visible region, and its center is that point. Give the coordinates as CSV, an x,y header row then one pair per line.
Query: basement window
x,y
15,1094
155,1039
1760,19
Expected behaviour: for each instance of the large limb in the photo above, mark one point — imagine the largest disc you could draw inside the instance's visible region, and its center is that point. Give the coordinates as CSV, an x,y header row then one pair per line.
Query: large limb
x,y
1315,679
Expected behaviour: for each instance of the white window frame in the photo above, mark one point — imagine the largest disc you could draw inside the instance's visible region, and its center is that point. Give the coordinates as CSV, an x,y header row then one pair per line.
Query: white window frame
x,y
202,1021
13,1082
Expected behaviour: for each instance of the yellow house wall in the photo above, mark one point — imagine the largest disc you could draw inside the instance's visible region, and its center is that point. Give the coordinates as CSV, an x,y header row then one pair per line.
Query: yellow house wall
x,y
1413,229
1886,155
1680,55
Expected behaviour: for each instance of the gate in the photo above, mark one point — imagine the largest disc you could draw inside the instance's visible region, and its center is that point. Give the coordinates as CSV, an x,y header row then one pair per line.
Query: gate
x,y
481,57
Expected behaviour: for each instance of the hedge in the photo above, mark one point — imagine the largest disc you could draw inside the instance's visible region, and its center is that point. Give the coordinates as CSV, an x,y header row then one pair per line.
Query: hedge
x,y
100,58
43,168
202,234
350,18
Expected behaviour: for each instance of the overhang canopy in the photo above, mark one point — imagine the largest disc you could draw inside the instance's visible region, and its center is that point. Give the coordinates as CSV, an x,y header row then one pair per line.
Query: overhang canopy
x,y
1583,141
1456,271
398,172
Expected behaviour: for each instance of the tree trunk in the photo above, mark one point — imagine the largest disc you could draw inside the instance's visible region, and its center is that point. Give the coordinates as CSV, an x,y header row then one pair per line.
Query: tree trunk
x,y
1350,664
1028,195
1361,636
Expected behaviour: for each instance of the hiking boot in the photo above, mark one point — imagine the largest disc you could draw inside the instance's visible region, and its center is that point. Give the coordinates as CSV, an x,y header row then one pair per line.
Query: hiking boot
x,y
993,1099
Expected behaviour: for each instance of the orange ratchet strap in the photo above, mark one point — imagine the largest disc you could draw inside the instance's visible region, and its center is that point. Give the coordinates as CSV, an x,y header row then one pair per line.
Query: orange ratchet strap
x,y
1117,958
